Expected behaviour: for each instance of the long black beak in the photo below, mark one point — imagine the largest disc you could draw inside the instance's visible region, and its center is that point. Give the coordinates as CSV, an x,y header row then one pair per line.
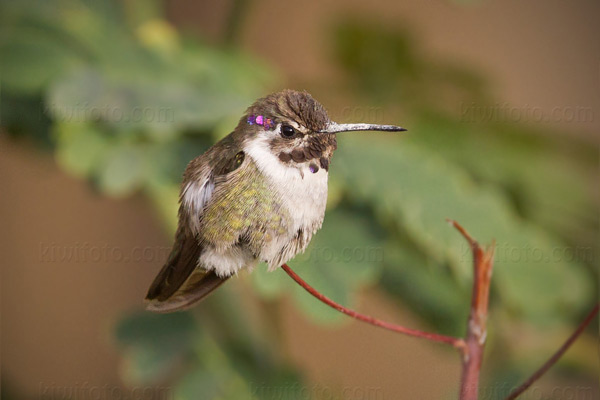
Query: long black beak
x,y
334,127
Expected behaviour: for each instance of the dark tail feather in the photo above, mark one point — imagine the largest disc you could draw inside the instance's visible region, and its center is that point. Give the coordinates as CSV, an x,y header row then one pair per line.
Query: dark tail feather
x,y
197,287
180,265
181,282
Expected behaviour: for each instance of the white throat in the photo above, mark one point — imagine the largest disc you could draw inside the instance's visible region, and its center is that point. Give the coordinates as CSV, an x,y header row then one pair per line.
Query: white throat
x,y
302,192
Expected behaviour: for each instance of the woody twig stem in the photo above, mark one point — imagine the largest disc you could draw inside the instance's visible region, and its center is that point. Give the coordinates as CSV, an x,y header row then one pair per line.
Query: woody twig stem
x,y
483,261
555,357
471,348
455,342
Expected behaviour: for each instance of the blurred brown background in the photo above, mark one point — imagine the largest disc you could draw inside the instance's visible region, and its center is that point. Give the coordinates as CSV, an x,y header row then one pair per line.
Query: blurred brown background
x,y
57,316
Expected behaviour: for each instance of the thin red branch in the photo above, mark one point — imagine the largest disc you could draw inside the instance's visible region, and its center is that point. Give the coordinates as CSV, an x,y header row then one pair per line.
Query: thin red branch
x,y
472,347
455,342
483,262
555,357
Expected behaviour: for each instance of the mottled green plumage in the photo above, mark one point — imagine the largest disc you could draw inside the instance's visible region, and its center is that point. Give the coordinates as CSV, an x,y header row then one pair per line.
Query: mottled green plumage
x,y
248,209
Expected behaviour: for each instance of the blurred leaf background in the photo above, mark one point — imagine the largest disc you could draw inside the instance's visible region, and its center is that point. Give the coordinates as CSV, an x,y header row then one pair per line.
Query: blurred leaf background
x,y
124,100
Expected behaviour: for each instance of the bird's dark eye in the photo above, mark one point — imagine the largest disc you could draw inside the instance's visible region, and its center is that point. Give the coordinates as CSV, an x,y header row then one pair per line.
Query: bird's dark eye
x,y
287,131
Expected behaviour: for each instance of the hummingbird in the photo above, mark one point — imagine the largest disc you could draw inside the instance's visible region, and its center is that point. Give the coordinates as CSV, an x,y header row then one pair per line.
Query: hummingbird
x,y
257,195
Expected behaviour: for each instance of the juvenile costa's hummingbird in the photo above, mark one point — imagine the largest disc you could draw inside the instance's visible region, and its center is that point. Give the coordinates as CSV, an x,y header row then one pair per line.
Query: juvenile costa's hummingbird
x,y
257,195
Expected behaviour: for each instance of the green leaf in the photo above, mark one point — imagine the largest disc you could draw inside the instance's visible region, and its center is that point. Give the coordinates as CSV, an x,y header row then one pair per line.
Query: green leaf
x,y
33,60
122,172
146,364
418,190
548,179
213,383
153,344
210,383
80,147
149,328
426,287
269,284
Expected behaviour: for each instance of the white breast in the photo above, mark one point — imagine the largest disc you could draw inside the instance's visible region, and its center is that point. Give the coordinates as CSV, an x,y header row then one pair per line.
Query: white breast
x,y
302,193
